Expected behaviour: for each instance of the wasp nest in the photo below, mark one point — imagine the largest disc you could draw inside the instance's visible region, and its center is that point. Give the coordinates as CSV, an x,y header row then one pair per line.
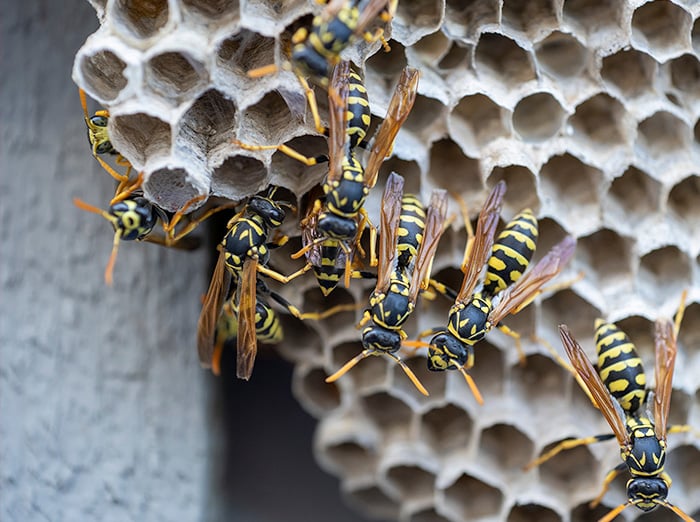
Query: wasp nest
x,y
587,108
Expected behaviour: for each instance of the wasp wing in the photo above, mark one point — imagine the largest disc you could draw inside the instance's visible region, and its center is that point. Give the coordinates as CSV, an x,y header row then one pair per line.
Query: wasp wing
x,y
607,405
247,342
516,297
434,227
666,349
400,107
483,241
390,215
211,309
370,12
338,92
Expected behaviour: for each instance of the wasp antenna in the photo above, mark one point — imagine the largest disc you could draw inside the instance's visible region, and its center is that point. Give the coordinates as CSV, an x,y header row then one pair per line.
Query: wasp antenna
x,y
265,70
679,314
614,512
83,103
419,386
349,365
112,258
677,511
89,208
472,385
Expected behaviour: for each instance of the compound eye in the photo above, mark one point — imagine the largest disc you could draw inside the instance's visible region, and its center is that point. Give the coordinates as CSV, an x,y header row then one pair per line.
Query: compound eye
x,y
99,121
104,148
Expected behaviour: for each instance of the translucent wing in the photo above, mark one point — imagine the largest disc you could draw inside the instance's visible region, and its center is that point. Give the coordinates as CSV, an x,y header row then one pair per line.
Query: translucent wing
x,y
483,241
247,342
434,227
390,215
665,341
369,14
400,106
337,107
528,287
211,309
608,406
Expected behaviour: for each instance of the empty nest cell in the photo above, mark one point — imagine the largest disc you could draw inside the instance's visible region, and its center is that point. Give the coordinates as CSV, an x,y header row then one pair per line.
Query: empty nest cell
x,y
532,513
140,19
538,117
416,19
594,18
434,382
387,411
446,427
170,188
268,122
566,472
522,188
239,53
662,134
685,74
465,19
318,395
489,369
238,176
208,11
432,48
458,56
175,76
630,71
502,61
427,515
567,307
469,498
663,274
209,122
411,481
103,72
600,121
368,373
476,121
609,257
662,28
634,195
689,335
372,500
533,17
684,202
508,448
351,457
539,381
140,137
447,160
561,55
584,513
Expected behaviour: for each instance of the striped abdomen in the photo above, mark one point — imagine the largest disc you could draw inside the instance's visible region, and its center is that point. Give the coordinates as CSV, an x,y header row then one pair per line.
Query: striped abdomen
x,y
358,113
511,253
410,231
328,273
267,324
619,366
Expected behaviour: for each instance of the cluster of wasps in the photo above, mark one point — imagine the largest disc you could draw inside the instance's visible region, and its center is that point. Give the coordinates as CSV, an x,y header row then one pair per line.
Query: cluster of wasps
x,y
497,278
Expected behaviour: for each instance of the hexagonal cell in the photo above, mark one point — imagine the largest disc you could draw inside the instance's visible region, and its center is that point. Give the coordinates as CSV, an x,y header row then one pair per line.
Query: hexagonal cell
x,y
351,457
295,174
550,233
569,469
314,301
664,273
458,55
572,185
301,341
488,370
470,498
537,381
268,122
387,411
607,257
427,515
208,10
466,20
522,188
561,55
567,307
662,27
584,513
600,120
506,446
369,372
175,76
532,513
170,188
323,397
426,113
416,19
476,121
684,201
408,169
446,159
238,176
685,74
411,481
209,122
631,71
432,47
140,136
503,61
689,335
663,134
447,428
634,195
594,16
682,463
374,501
681,403
695,35
530,17
241,52
387,66
434,382
538,117
278,14
141,18
104,73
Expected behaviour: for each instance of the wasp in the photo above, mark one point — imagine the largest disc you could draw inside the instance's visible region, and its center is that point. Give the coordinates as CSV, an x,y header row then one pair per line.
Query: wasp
x,y
243,254
396,292
641,435
505,289
133,218
100,143
268,327
316,50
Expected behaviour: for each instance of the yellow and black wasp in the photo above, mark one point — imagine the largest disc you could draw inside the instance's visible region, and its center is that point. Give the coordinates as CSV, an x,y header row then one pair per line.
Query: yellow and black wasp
x,y
503,292
618,390
396,292
133,218
316,50
243,254
100,143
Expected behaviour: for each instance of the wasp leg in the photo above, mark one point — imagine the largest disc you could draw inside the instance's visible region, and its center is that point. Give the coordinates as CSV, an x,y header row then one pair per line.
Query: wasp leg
x,y
284,149
366,316
124,191
169,229
606,483
273,274
565,445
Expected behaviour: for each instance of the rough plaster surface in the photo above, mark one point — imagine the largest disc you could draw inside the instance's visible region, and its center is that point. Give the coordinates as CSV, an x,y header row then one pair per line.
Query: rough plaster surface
x,y
102,411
